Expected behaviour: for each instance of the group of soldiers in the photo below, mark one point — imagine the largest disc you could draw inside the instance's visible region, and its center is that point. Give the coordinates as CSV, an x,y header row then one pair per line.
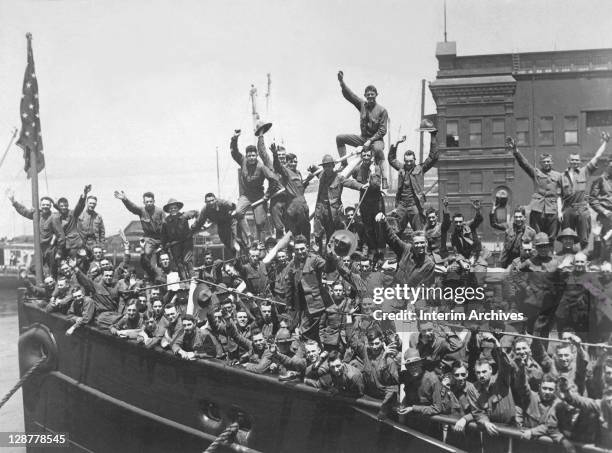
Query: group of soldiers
x,y
302,308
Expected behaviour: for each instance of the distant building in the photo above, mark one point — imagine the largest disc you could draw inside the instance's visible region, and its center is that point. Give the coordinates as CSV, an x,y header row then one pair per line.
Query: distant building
x,y
552,102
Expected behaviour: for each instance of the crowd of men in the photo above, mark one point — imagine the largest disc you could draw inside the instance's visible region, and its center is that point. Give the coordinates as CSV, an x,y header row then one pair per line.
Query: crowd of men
x,y
299,304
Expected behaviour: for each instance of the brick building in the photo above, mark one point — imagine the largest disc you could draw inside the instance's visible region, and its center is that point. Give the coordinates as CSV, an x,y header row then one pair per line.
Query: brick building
x,y
552,102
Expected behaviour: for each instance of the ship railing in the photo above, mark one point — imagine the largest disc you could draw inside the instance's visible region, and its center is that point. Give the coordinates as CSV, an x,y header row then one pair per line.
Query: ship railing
x,y
507,438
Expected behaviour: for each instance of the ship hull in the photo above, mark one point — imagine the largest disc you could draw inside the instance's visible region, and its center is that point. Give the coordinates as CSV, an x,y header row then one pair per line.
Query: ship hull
x,y
110,395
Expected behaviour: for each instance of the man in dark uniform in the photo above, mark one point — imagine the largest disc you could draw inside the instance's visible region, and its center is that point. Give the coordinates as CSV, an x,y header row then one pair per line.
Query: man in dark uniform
x,y
252,176
543,206
151,219
69,219
368,176
305,287
373,124
410,198
221,213
514,234
464,236
177,237
278,202
296,215
572,185
328,210
51,235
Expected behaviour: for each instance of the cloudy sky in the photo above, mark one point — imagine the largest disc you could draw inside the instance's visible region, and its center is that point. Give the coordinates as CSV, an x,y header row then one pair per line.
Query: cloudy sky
x,y
138,95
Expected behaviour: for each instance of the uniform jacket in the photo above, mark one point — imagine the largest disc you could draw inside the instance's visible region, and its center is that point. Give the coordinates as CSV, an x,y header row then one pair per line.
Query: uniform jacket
x,y
251,178
151,221
547,190
372,121
50,226
91,226
70,227
416,176
305,283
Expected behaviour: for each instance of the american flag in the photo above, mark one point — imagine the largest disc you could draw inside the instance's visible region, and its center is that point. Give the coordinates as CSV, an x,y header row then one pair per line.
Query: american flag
x,y
30,138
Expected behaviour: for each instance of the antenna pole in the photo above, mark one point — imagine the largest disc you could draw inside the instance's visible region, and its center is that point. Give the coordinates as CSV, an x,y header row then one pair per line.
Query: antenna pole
x,y
444,20
268,92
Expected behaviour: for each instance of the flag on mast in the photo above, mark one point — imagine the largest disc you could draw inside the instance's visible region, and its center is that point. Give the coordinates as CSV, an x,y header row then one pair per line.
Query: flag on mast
x,y
30,138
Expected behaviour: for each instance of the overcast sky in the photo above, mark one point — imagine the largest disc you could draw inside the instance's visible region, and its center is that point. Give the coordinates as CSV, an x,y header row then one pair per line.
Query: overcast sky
x,y
137,95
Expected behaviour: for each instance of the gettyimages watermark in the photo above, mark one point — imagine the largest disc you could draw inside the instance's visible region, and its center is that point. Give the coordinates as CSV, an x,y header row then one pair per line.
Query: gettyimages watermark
x,y
411,294
457,295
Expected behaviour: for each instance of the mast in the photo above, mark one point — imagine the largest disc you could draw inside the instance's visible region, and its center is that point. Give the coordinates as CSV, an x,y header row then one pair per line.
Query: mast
x,y
268,93
36,220
254,112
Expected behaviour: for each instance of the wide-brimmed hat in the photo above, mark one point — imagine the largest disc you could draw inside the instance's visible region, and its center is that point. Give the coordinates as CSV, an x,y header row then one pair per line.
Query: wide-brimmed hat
x,y
411,355
172,201
570,233
541,239
327,159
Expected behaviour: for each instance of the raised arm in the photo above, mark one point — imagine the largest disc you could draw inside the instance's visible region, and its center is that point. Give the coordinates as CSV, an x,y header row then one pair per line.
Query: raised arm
x,y
236,154
78,209
434,152
392,158
28,213
520,159
592,165
263,154
398,246
477,220
120,195
83,279
348,94
276,163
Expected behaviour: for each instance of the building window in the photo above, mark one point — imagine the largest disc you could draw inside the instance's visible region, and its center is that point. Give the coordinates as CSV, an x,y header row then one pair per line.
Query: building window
x,y
476,181
499,132
546,132
452,134
475,133
600,118
522,131
570,130
452,182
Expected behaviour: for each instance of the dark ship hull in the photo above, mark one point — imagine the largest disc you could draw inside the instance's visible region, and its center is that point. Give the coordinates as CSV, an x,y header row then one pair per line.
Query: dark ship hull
x,y
110,395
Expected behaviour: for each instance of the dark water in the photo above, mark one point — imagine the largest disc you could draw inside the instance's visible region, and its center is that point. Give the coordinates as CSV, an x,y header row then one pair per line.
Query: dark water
x,y
11,414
